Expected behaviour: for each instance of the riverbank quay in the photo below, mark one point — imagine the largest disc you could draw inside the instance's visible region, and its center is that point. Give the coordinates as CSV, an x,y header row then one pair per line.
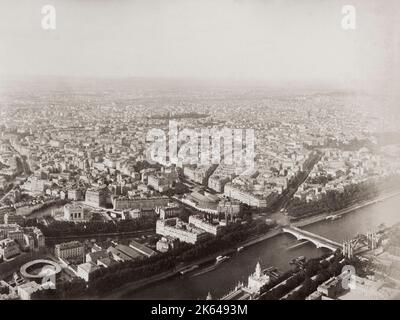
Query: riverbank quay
x,y
306,221
118,293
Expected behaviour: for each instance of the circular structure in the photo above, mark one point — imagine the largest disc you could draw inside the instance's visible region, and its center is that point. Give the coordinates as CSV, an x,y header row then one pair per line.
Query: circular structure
x,y
38,269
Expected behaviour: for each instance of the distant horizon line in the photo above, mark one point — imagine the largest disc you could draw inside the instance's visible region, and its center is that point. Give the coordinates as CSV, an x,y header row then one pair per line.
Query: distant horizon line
x,y
308,86
255,82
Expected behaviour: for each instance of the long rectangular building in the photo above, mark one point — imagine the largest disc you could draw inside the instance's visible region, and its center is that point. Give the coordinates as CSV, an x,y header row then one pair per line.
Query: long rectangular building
x,y
176,228
123,203
198,221
243,196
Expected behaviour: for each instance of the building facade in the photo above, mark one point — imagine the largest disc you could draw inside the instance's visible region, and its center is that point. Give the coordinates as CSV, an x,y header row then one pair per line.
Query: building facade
x,y
199,222
169,211
124,203
76,212
176,228
70,250
11,218
243,196
98,197
8,248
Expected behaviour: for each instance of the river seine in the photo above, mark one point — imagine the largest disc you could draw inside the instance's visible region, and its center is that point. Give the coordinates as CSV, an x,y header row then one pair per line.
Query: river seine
x,y
271,252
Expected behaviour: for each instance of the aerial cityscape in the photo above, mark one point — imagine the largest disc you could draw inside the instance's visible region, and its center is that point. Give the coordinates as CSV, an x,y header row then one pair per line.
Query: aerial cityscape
x,y
160,187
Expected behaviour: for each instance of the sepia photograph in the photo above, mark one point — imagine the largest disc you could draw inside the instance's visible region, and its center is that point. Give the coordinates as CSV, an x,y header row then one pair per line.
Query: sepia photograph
x,y
201,151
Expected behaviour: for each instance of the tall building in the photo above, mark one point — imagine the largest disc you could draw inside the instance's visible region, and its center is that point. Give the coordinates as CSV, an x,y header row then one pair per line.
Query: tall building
x,y
70,250
176,228
98,197
9,248
3,211
11,218
169,211
208,226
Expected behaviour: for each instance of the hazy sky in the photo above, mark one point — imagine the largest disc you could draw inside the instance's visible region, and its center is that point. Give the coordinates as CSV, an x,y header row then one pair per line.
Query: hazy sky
x,y
272,40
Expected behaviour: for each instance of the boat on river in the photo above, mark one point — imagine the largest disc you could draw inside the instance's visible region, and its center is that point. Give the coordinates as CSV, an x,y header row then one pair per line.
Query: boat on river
x,y
214,266
189,269
220,259
333,217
